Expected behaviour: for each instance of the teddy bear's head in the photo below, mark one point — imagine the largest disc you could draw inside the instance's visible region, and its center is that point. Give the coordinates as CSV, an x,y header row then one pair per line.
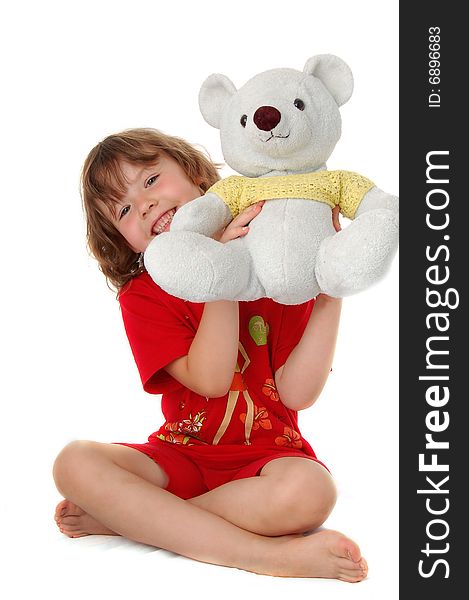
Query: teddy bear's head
x,y
280,120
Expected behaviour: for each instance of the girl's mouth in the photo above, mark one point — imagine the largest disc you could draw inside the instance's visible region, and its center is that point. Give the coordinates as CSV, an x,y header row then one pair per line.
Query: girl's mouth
x,y
164,222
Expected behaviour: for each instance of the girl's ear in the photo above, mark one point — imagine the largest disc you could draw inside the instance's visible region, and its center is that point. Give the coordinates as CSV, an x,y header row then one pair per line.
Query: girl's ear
x,y
334,73
215,92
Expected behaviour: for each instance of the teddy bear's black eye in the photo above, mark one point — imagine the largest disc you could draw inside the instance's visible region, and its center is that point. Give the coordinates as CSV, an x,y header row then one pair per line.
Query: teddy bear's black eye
x,y
300,105
244,120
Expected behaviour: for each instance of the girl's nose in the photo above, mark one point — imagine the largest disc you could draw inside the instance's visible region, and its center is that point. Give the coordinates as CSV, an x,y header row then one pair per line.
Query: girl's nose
x,y
146,208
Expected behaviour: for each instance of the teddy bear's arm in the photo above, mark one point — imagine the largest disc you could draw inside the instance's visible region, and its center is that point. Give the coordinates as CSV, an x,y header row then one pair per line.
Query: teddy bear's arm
x,y
376,199
346,189
205,215
342,267
357,194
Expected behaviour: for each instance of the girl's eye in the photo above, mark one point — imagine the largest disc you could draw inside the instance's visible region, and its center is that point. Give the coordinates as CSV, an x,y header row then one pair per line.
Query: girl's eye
x,y
124,211
151,180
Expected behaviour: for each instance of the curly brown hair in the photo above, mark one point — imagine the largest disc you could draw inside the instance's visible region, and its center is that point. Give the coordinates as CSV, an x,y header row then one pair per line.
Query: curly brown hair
x,y
103,184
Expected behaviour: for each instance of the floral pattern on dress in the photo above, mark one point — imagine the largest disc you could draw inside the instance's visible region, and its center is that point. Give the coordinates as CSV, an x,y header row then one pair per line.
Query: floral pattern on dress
x,y
178,438
260,418
269,389
192,425
181,432
290,438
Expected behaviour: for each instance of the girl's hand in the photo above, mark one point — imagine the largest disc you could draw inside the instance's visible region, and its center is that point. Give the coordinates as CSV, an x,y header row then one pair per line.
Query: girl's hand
x,y
239,226
335,218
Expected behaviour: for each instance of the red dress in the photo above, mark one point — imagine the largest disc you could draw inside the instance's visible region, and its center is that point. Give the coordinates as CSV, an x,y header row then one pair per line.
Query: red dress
x,y
206,442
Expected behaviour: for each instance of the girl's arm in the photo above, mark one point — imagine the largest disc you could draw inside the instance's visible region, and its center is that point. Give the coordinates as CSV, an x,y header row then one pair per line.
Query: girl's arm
x,y
310,362
301,379
209,366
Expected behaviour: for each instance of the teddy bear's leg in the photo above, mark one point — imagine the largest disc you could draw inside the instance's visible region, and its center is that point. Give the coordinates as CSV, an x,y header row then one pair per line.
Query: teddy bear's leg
x,y
359,255
284,240
199,269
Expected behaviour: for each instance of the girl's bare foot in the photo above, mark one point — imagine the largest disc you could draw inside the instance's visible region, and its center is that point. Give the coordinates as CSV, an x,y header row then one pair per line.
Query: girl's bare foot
x,y
325,553
74,522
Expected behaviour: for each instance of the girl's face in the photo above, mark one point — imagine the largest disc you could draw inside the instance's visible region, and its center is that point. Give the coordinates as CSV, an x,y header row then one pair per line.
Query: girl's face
x,y
154,194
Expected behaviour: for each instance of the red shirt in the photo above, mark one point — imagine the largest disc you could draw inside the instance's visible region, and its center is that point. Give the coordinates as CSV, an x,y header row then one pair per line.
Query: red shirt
x,y
161,328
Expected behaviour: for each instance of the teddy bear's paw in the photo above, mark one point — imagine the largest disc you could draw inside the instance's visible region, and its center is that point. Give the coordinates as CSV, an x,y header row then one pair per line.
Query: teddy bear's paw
x,y
206,215
196,268
359,255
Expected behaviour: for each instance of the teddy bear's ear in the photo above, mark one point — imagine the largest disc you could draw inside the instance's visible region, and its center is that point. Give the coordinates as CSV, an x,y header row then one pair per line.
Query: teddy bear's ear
x,y
215,92
334,73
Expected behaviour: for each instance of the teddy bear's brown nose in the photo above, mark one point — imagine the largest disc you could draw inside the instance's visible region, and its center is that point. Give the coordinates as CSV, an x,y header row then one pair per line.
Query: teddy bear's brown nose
x,y
267,117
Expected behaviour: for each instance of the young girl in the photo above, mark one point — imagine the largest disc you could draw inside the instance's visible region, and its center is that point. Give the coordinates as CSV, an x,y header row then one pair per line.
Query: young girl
x,y
228,478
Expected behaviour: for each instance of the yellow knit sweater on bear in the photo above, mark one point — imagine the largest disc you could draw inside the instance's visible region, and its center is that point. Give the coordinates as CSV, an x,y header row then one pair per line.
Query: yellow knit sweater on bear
x,y
343,188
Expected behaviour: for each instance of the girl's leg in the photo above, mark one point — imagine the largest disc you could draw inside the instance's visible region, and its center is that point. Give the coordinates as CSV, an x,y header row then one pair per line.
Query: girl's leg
x,y
73,521
290,495
142,511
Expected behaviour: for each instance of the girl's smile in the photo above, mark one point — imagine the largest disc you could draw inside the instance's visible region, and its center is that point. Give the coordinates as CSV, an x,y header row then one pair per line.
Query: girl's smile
x,y
163,222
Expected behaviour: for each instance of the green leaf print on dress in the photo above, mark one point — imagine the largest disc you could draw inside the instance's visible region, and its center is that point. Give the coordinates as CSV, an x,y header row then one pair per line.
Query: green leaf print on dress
x,y
258,330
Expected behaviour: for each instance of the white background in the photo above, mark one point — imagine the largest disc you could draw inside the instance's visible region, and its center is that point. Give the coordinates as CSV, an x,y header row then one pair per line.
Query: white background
x,y
72,73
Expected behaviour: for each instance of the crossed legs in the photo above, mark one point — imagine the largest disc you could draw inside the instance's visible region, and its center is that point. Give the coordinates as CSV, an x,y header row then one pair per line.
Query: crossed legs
x,y
116,489
291,495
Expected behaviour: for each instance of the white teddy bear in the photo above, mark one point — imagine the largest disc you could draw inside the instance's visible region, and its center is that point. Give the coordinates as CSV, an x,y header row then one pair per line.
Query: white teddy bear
x,y
278,130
